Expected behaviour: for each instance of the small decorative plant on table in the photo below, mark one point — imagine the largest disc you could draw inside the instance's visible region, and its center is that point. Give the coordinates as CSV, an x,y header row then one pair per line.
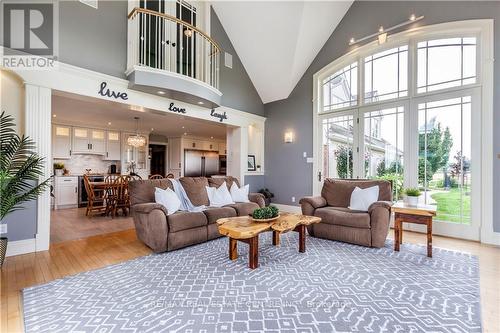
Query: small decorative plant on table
x,y
20,170
412,195
266,214
59,169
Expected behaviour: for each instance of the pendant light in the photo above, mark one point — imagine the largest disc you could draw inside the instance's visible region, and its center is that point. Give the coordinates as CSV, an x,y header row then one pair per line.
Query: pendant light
x,y
136,140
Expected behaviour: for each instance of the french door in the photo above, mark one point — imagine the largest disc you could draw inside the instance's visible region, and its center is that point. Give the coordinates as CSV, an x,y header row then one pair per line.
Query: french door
x,y
366,142
432,142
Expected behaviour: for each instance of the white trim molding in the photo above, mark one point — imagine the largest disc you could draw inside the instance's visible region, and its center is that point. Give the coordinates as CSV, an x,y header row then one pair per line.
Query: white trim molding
x,y
483,30
15,248
38,108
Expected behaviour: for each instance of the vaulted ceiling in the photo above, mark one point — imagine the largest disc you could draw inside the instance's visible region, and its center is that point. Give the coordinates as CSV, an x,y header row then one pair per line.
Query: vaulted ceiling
x,y
277,40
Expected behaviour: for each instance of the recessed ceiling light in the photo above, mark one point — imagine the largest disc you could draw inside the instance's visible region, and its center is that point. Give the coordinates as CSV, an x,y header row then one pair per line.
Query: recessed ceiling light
x,y
54,115
185,133
413,17
201,103
109,123
152,129
211,137
183,127
161,92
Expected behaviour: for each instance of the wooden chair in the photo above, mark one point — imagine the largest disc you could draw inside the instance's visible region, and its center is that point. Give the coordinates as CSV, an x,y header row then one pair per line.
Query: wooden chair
x,y
170,175
96,198
156,177
121,199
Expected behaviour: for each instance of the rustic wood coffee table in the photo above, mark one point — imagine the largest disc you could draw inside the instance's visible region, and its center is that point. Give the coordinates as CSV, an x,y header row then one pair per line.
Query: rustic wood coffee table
x,y
421,214
244,229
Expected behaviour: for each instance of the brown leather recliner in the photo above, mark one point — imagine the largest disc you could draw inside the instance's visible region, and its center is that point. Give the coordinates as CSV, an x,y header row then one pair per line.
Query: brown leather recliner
x,y
162,232
338,222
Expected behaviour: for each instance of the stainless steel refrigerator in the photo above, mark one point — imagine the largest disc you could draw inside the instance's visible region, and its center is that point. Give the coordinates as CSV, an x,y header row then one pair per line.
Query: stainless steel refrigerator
x,y
200,163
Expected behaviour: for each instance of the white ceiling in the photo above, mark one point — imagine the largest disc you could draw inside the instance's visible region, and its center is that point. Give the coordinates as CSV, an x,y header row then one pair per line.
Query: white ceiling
x,y
93,112
277,40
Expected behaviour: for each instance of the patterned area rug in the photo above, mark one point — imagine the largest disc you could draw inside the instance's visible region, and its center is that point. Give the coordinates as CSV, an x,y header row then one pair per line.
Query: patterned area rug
x,y
332,287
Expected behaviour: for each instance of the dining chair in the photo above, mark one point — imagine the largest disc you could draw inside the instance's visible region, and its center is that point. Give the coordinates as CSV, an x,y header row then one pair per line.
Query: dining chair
x,y
121,198
96,198
170,175
156,176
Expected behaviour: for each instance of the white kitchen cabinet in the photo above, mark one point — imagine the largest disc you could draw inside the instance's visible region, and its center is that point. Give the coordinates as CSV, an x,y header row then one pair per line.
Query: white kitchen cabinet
x,y
66,192
113,143
89,141
61,142
97,141
81,138
222,149
210,145
192,144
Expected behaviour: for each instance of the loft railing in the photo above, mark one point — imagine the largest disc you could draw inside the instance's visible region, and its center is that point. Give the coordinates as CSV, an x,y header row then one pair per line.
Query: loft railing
x,y
164,42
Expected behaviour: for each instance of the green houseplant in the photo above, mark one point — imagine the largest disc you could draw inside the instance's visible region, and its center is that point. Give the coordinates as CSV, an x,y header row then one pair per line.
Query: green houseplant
x,y
59,169
20,170
412,195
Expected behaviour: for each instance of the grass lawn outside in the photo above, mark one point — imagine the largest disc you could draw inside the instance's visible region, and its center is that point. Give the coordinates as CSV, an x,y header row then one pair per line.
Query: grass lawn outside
x,y
448,206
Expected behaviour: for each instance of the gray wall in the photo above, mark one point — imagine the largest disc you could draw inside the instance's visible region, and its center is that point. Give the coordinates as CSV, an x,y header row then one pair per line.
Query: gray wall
x,y
256,182
97,40
287,174
235,84
21,224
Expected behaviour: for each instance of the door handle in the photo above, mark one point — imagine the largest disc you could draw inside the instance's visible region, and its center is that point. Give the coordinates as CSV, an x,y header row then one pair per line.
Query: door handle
x,y
319,176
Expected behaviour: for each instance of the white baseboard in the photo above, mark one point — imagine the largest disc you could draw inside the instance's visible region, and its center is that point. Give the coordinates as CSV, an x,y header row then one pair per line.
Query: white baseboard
x,y
288,208
15,248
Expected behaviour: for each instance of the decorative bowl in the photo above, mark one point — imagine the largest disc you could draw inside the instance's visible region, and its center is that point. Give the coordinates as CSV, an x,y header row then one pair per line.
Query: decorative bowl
x,y
265,220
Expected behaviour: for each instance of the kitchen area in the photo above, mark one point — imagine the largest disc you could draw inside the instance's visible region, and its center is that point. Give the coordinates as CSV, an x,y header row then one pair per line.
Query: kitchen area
x,y
101,142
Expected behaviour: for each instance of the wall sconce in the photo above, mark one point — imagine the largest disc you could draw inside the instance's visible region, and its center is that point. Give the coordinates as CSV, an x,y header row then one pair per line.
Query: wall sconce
x,y
289,137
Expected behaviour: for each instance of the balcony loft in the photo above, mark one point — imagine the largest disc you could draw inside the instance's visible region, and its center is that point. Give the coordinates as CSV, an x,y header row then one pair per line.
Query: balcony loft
x,y
170,57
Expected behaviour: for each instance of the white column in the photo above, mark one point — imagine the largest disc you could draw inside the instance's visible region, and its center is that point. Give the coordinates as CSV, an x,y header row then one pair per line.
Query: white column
x,y
237,152
38,127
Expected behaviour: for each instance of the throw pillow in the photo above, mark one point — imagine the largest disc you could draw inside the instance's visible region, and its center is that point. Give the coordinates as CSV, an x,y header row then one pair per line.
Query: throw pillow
x,y
167,198
361,199
220,196
239,194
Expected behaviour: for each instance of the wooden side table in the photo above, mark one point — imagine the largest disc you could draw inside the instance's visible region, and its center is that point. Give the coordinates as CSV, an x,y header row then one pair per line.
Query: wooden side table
x,y
421,214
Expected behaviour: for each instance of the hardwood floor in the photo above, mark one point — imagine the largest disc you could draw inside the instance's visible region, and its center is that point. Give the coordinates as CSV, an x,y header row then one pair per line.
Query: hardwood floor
x,y
72,257
70,224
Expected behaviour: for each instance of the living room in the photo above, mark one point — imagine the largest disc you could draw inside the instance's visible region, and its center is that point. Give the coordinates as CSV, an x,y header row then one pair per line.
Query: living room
x,y
360,158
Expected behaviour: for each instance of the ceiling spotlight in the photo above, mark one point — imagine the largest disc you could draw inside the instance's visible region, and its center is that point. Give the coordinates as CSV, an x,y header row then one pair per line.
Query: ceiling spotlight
x,y
352,41
183,127
161,92
109,123
381,29
211,137
54,115
201,103
413,17
185,133
152,129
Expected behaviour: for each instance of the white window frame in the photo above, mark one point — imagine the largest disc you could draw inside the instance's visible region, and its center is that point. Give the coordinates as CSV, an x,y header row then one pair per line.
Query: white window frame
x,y
483,31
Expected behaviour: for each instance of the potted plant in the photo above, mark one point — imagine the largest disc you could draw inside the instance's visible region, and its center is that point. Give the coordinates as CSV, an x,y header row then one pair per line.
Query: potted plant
x,y
59,169
412,195
20,170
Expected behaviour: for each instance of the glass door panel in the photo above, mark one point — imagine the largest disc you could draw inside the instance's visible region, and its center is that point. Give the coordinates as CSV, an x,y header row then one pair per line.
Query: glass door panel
x,y
337,144
384,146
445,157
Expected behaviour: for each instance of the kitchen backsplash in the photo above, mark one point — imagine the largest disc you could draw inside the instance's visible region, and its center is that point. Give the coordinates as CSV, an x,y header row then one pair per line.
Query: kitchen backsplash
x,y
77,164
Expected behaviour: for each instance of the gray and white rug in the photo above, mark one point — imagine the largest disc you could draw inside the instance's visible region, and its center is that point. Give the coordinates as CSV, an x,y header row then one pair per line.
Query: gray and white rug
x,y
333,287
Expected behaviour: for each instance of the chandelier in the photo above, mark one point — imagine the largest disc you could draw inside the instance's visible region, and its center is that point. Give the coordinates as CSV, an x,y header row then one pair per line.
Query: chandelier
x,y
136,140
